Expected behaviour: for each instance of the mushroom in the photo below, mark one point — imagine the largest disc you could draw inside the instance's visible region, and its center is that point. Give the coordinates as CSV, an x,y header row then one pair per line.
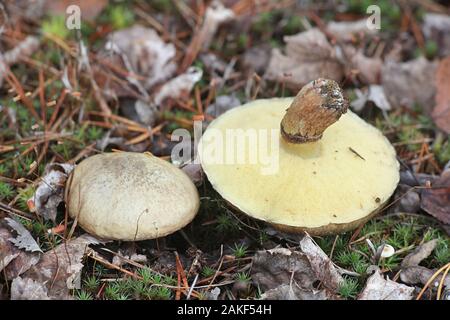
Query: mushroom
x,y
330,170
130,196
387,251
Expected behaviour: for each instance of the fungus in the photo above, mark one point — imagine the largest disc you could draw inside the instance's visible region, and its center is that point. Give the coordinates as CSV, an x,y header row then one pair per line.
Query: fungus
x,y
130,196
315,167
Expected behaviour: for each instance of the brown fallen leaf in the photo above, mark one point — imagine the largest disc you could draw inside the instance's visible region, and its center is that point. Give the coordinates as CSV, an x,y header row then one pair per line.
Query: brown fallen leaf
x,y
410,83
378,288
348,30
194,172
49,193
436,27
14,261
368,69
222,104
8,252
28,289
322,266
308,56
412,273
24,48
420,253
421,275
441,111
144,54
58,270
176,87
24,239
436,200
373,93
292,274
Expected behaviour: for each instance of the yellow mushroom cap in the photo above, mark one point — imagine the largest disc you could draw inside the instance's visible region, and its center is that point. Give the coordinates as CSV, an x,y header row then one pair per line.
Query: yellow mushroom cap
x,y
327,186
130,196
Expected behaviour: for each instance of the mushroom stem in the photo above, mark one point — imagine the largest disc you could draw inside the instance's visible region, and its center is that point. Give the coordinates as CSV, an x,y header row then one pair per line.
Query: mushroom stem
x,y
318,105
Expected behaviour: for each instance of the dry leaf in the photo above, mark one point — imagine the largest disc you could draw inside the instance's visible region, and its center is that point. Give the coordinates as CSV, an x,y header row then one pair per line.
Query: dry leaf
x,y
412,273
49,193
441,112
378,288
8,252
436,27
222,104
23,240
143,53
436,200
215,15
59,269
194,172
138,110
298,270
367,69
120,261
24,48
409,83
309,56
347,30
322,266
13,261
421,275
256,58
420,253
375,94
28,289
178,86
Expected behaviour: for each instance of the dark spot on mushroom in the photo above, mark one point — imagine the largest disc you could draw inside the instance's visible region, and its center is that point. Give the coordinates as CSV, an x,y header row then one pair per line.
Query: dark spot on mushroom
x,y
314,172
334,215
377,200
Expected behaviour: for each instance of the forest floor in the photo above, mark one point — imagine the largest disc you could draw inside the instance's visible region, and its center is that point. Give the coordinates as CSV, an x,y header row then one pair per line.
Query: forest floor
x,y
68,94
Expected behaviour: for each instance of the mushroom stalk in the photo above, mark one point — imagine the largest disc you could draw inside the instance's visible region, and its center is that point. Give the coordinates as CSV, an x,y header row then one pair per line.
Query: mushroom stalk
x,y
318,105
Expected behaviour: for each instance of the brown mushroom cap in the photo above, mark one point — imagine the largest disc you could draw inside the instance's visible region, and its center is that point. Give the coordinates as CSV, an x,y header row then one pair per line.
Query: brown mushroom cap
x,y
337,180
130,196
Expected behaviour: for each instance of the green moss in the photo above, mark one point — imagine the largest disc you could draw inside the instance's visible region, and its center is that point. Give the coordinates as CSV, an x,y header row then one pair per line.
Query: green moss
x,y
6,190
349,288
56,26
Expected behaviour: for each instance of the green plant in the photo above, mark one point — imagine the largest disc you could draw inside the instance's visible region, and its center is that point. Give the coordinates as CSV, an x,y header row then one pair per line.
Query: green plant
x,y
99,270
146,274
55,25
243,276
158,293
348,288
83,295
3,169
226,224
25,194
120,16
239,250
6,190
113,291
442,252
91,283
349,258
94,133
208,272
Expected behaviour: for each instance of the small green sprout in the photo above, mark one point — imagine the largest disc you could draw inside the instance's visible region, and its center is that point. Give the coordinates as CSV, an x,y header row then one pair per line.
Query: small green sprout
x,y
240,250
